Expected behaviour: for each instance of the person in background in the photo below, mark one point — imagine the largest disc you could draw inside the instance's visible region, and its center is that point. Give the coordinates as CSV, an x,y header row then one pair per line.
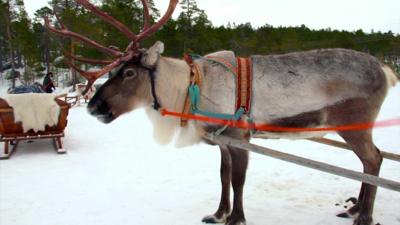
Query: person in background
x,y
48,84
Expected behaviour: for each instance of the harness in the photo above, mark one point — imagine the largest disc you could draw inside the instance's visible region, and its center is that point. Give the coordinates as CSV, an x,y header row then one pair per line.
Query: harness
x,y
242,71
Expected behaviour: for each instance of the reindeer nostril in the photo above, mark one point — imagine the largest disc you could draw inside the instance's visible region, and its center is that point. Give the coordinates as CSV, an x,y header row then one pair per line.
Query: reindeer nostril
x,y
98,108
91,110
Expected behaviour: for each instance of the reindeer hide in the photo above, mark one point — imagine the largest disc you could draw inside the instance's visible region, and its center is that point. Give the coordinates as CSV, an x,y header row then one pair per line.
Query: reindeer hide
x,y
34,110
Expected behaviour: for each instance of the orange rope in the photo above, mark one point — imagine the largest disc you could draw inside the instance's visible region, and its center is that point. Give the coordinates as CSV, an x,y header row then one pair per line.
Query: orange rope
x,y
266,127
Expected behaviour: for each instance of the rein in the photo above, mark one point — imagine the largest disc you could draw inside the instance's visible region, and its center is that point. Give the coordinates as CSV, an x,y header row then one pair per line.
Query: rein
x,y
272,128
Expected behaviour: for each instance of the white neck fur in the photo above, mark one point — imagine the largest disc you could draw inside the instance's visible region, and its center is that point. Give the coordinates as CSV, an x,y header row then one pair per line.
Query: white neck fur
x,y
171,83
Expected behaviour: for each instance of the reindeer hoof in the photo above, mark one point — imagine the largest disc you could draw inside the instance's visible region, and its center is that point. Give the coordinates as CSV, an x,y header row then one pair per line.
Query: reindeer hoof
x,y
344,215
236,223
353,208
363,220
215,219
235,220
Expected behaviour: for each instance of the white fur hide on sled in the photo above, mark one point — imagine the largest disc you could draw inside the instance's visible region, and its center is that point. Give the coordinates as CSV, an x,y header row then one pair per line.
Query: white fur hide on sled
x,y
33,110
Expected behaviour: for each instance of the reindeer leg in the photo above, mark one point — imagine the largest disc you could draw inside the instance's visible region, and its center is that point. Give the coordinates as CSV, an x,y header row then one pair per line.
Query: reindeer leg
x,y
362,145
240,160
225,204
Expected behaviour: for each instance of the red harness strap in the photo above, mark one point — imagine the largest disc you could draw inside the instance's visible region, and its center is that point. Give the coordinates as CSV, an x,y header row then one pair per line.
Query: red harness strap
x,y
272,128
244,83
244,75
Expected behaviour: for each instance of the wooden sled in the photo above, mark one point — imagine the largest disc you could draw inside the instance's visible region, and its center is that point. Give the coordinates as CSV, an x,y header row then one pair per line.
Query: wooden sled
x,y
75,98
12,133
70,100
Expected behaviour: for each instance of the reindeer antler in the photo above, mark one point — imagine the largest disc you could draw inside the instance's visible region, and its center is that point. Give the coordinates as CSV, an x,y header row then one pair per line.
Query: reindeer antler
x,y
131,51
92,76
151,30
107,18
86,60
65,32
146,15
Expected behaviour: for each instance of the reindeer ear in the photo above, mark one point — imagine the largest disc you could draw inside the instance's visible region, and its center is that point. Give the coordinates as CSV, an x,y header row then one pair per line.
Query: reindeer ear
x,y
150,57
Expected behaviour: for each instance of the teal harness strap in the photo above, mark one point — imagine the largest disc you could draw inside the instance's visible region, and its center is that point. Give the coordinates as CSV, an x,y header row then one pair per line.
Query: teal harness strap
x,y
194,97
194,94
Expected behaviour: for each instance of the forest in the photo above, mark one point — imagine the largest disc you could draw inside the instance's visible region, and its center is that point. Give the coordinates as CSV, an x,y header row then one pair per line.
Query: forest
x,y
26,44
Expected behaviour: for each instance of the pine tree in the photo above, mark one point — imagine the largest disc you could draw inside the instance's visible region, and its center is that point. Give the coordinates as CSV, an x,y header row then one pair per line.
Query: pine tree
x,y
43,37
8,17
28,53
189,12
193,24
3,37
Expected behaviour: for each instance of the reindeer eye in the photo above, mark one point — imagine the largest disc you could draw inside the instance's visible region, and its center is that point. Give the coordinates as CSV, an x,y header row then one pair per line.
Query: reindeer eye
x,y
130,73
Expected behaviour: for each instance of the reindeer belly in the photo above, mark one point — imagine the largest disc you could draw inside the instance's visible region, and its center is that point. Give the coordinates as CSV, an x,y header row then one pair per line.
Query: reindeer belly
x,y
295,90
304,120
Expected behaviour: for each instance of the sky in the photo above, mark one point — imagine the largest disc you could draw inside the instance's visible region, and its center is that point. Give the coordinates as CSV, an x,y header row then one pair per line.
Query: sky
x,y
351,15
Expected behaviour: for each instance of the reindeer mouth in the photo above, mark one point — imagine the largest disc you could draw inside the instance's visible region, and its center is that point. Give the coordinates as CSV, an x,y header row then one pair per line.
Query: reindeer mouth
x,y
101,114
105,118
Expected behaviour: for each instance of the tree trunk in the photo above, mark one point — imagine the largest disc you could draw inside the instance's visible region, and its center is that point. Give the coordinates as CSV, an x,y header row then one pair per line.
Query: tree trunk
x,y
1,61
72,69
47,50
9,36
47,59
20,59
24,75
72,52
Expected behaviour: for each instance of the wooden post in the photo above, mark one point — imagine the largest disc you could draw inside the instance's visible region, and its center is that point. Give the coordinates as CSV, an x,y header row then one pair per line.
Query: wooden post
x,y
59,145
6,148
366,178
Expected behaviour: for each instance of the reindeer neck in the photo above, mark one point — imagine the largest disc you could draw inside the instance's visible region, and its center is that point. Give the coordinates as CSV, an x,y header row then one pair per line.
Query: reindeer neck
x,y
171,82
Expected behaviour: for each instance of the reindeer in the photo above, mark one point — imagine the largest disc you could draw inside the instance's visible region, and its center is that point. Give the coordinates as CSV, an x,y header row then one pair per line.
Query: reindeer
x,y
318,88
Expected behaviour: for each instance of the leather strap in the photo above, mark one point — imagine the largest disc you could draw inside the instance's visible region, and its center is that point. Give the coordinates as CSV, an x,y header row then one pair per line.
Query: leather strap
x,y
244,83
195,78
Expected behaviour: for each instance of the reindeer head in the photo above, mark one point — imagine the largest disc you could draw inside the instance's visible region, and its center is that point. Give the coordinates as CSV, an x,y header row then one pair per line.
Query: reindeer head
x,y
130,86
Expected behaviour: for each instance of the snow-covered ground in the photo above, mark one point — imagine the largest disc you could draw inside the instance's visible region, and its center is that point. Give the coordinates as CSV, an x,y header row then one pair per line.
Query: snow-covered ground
x,y
116,175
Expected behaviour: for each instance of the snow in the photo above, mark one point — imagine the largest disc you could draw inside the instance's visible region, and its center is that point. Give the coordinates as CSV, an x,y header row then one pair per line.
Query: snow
x,y
116,174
